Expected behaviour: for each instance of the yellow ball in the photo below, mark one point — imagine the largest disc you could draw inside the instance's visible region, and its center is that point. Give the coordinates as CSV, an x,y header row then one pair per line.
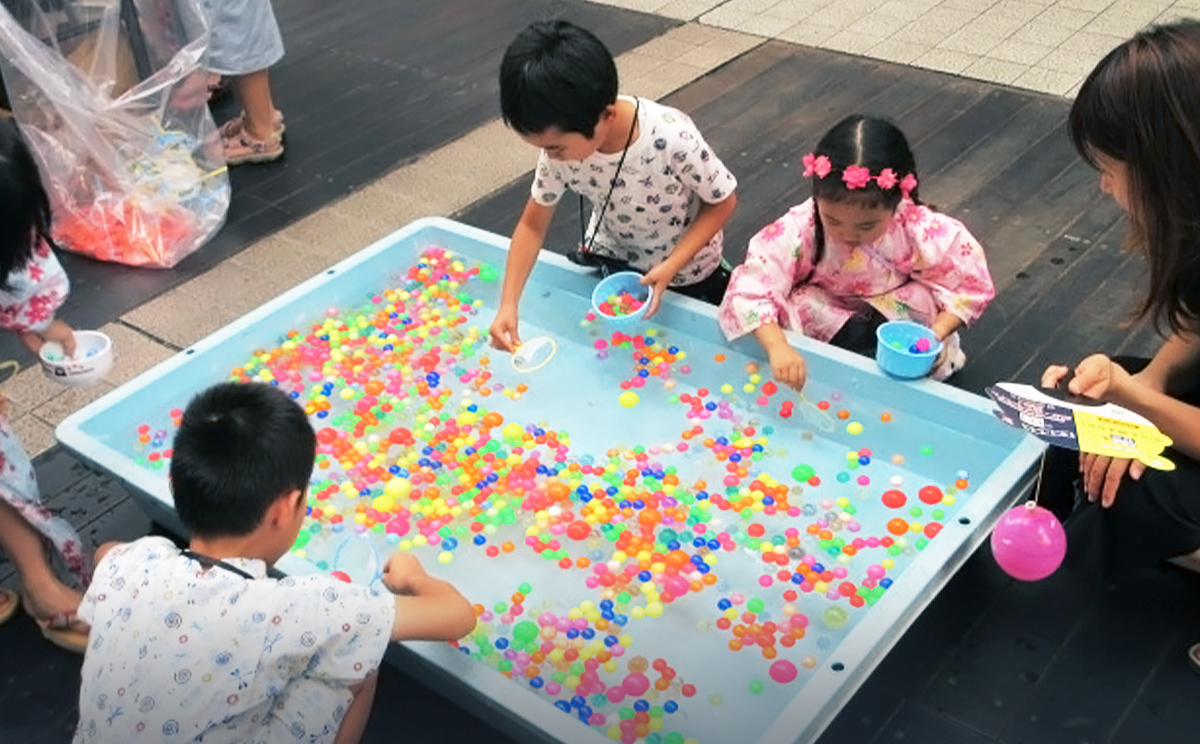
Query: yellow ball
x,y
397,488
629,399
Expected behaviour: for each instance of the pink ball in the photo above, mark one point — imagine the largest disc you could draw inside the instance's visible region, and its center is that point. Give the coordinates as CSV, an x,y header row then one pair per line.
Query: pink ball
x,y
678,586
783,671
1029,543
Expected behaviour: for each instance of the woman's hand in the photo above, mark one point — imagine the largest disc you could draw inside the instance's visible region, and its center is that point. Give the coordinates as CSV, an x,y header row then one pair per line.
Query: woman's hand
x,y
787,366
1101,378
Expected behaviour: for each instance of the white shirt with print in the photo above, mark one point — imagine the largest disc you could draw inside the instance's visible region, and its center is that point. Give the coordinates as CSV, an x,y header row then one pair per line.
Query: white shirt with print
x,y
668,171
178,653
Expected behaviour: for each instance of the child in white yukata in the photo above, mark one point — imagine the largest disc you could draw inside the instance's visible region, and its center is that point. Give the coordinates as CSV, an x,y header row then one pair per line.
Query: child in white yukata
x,y
32,287
199,644
660,196
861,251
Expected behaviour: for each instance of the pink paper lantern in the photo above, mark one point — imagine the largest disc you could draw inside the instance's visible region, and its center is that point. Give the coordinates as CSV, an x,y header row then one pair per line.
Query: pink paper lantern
x,y
1029,543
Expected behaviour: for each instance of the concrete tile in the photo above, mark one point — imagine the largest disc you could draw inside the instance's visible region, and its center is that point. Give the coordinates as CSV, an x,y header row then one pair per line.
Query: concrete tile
x,y
1046,35
991,24
670,78
852,43
876,25
944,60
995,71
808,34
1047,81
632,65
71,400
918,34
695,34
733,42
1088,43
946,21
1064,17
706,57
686,10
162,318
665,48
1025,11
975,6
797,10
765,25
287,261
836,15
133,353
907,9
723,17
30,388
1012,50
1066,60
900,52
391,207
36,435
970,41
1095,6
750,6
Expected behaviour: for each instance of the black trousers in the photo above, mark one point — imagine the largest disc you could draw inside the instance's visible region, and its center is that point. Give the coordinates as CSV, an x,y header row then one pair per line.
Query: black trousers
x,y
711,289
1152,519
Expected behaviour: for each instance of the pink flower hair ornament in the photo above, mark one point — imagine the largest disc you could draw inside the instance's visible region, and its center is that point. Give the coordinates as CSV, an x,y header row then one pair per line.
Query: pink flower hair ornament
x,y
857,177
818,165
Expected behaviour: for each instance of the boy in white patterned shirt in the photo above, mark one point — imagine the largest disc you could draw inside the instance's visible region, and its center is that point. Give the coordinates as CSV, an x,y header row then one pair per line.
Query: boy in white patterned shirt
x,y
200,645
660,196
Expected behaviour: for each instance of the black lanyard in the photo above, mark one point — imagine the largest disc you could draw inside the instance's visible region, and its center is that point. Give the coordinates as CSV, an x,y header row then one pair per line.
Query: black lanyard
x,y
208,562
585,244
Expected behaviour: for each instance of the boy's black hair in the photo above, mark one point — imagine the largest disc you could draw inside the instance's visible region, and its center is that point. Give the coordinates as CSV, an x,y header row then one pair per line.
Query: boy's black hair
x,y
556,74
24,206
238,448
868,142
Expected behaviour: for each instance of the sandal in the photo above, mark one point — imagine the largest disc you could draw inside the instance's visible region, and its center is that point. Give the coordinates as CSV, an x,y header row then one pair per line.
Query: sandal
x,y
242,148
234,126
1194,657
63,630
10,602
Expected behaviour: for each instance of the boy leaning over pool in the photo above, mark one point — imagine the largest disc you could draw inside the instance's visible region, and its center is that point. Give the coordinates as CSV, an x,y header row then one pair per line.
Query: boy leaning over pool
x,y
199,644
660,196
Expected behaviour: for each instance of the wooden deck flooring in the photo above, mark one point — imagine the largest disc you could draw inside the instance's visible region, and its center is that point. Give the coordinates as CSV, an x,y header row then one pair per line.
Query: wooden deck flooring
x,y
990,660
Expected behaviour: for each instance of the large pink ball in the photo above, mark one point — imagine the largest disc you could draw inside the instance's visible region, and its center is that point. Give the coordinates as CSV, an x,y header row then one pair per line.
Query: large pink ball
x,y
1029,543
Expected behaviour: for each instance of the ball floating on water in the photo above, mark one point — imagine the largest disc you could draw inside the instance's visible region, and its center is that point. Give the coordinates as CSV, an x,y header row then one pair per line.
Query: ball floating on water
x,y
397,488
513,432
835,617
629,399
783,671
1029,543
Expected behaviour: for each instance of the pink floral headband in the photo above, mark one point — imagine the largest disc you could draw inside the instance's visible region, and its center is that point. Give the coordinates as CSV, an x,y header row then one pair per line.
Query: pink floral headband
x,y
856,176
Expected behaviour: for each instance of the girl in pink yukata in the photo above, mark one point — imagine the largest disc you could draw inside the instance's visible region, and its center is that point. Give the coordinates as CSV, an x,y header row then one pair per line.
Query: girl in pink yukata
x,y
32,287
861,251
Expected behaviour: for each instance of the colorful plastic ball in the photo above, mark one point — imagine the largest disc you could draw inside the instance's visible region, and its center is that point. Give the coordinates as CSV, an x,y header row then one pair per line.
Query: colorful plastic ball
x,y
1029,543
783,671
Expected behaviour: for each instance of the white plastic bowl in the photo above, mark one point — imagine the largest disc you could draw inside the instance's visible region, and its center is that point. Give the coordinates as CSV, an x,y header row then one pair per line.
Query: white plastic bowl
x,y
92,360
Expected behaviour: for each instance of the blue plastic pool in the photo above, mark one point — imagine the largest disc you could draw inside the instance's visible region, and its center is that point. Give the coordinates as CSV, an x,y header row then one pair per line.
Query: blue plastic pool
x,y
778,545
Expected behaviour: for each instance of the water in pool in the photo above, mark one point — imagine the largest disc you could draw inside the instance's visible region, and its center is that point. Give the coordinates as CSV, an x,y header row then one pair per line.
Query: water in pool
x,y
661,542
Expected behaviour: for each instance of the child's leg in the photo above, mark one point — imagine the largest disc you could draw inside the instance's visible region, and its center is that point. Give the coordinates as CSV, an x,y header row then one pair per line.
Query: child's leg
x,y
355,722
45,596
254,91
711,289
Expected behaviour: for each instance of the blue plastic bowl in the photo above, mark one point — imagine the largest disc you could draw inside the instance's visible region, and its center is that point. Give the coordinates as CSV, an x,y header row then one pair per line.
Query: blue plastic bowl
x,y
895,349
617,284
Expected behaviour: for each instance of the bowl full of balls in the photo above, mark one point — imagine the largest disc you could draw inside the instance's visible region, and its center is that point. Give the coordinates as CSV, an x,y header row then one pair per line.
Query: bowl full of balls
x,y
621,298
906,349
92,360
